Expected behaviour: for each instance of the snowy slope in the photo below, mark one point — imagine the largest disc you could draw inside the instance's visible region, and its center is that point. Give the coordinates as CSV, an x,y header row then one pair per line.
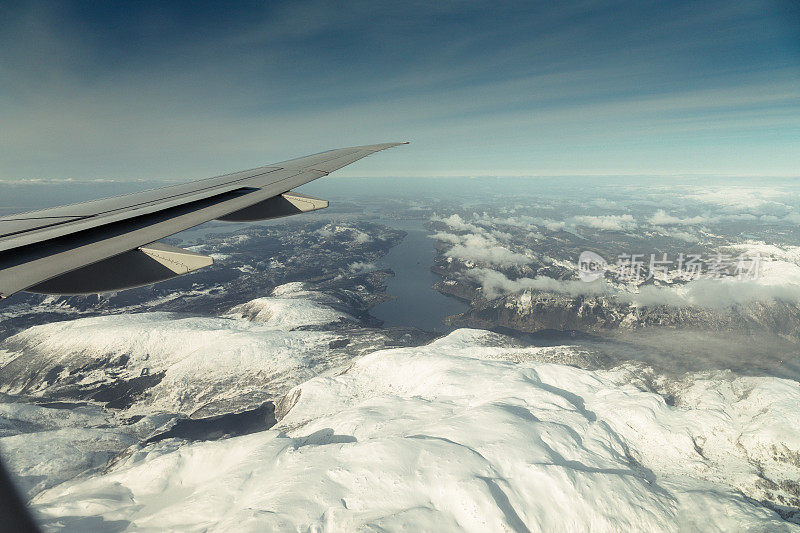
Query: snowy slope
x,y
290,307
471,434
45,446
184,364
202,359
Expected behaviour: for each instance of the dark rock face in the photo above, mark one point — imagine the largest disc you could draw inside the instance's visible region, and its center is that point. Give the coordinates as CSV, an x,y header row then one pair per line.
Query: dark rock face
x,y
123,393
221,426
338,343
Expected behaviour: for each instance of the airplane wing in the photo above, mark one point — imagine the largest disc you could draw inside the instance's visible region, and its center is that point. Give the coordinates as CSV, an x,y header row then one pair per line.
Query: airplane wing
x,y
111,244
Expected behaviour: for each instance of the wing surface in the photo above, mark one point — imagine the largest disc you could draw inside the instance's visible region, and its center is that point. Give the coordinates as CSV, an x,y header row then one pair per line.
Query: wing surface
x,y
44,245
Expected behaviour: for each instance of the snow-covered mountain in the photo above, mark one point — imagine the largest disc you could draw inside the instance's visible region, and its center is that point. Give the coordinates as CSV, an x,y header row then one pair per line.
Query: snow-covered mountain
x,y
161,362
471,432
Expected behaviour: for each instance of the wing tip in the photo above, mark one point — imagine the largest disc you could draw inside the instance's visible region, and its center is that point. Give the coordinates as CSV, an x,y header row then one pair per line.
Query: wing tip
x,y
392,145
378,147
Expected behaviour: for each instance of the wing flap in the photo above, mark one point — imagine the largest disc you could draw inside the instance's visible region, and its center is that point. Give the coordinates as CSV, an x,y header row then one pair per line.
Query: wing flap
x,y
147,264
283,205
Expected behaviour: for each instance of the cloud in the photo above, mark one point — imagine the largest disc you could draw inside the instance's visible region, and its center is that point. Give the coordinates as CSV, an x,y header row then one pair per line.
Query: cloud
x,y
496,283
455,222
605,222
601,222
332,230
717,294
661,218
741,199
493,255
359,267
480,245
530,223
360,237
793,217
605,203
785,254
448,238
684,236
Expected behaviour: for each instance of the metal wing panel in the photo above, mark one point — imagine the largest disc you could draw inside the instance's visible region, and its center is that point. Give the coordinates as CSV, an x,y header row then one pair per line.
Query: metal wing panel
x,y
22,267
331,160
83,234
36,226
336,159
125,201
11,226
43,231
25,228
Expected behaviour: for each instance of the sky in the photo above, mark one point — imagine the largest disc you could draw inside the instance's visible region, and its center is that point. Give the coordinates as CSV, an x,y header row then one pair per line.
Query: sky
x,y
155,90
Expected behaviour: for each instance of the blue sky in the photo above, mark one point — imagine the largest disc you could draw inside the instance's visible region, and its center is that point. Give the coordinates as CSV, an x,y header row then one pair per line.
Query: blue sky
x,y
189,90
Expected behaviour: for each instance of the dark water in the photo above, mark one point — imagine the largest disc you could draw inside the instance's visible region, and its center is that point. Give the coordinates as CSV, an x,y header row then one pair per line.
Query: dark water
x,y
417,303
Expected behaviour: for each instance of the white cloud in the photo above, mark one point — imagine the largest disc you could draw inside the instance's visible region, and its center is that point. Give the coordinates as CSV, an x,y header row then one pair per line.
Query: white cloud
x,y
778,281
449,238
661,218
457,223
360,266
480,248
741,199
605,222
331,230
601,222
491,255
605,203
524,221
496,283
360,237
684,236
793,217
712,293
